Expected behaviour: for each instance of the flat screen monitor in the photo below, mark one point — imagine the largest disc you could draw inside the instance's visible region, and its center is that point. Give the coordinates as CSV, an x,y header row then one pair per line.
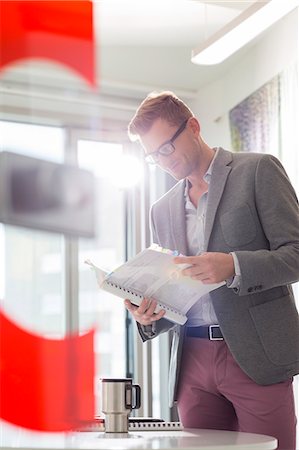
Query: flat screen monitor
x,y
47,196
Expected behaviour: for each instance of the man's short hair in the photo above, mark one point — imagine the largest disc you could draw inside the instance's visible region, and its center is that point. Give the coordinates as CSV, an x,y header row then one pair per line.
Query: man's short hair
x,y
158,105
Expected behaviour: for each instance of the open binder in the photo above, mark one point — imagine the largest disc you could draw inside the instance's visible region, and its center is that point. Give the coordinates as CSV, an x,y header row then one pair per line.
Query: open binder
x,y
152,274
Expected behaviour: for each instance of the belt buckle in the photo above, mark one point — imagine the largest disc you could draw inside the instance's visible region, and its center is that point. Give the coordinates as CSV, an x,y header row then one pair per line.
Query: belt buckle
x,y
211,333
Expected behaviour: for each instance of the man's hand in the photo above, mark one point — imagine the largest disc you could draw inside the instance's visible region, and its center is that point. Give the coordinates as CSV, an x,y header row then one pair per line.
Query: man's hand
x,y
210,267
144,313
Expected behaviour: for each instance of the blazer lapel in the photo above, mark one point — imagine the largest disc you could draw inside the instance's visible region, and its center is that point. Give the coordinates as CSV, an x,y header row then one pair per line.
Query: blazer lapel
x,y
218,180
178,219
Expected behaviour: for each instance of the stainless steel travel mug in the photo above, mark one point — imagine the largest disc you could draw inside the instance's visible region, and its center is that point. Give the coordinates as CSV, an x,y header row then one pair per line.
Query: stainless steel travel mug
x,y
118,395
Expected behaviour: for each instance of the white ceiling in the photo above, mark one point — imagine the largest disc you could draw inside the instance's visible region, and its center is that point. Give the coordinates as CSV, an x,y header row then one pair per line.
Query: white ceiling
x,y
141,45
147,44
176,23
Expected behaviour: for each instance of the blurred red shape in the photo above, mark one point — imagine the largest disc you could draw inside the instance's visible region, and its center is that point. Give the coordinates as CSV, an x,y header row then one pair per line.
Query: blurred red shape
x,y
45,384
56,30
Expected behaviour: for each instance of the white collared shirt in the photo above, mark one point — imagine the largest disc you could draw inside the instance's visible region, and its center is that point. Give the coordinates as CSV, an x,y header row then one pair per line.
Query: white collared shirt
x,y
202,313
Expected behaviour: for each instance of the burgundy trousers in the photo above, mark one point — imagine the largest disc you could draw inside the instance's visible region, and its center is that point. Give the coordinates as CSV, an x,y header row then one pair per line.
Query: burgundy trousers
x,y
214,393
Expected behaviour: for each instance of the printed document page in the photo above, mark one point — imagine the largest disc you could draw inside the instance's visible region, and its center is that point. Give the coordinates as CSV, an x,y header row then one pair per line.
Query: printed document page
x,y
152,274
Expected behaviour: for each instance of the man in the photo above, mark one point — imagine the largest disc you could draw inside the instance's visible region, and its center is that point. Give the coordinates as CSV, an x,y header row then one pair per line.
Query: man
x,y
236,218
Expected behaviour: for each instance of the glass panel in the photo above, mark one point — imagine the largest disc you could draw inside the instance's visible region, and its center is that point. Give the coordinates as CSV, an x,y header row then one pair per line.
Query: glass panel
x,y
31,262
97,308
33,140
160,345
32,272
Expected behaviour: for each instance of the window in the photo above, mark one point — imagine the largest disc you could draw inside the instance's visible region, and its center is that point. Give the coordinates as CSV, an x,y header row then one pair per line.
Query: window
x,y
38,280
107,250
31,262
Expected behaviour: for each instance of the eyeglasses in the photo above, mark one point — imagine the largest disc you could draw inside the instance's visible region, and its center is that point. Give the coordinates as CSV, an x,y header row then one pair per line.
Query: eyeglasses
x,y
167,148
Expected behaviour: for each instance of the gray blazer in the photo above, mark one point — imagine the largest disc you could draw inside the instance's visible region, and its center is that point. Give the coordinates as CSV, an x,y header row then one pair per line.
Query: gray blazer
x,y
253,211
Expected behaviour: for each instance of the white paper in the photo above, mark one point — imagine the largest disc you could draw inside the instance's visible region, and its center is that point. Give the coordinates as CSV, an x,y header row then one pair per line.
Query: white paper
x,y
153,274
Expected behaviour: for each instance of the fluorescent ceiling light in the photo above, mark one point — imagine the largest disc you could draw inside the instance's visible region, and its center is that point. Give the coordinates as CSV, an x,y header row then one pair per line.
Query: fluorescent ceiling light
x,y
245,27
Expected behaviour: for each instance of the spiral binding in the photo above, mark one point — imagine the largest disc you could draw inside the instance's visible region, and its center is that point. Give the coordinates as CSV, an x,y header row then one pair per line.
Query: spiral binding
x,y
166,307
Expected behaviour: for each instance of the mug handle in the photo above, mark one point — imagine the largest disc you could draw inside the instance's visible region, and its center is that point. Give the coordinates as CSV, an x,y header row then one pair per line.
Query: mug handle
x,y
128,387
137,389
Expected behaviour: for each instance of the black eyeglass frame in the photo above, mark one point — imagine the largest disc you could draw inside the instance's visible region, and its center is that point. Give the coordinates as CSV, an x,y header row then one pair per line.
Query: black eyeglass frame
x,y
153,158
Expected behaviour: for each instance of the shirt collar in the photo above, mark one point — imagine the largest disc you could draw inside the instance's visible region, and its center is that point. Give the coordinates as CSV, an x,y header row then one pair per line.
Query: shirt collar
x,y
207,175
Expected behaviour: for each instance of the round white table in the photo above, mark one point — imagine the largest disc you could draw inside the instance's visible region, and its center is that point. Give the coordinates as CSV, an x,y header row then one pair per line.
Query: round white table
x,y
188,439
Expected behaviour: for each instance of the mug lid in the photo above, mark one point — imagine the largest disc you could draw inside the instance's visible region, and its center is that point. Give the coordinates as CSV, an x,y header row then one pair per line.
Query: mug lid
x,y
118,380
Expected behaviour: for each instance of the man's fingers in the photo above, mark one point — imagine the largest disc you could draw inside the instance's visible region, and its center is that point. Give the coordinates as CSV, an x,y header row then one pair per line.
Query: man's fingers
x,y
145,313
193,271
142,309
151,309
130,307
143,306
136,309
158,316
186,259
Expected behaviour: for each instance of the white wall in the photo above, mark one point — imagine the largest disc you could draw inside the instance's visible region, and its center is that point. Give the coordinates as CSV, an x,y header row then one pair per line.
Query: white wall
x,y
268,56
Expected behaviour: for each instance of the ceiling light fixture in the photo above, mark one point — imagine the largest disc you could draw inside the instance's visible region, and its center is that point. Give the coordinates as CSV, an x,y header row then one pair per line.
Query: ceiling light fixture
x,y
241,30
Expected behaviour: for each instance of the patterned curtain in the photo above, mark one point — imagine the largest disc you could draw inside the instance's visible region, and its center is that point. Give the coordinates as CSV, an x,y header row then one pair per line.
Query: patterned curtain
x,y
254,123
